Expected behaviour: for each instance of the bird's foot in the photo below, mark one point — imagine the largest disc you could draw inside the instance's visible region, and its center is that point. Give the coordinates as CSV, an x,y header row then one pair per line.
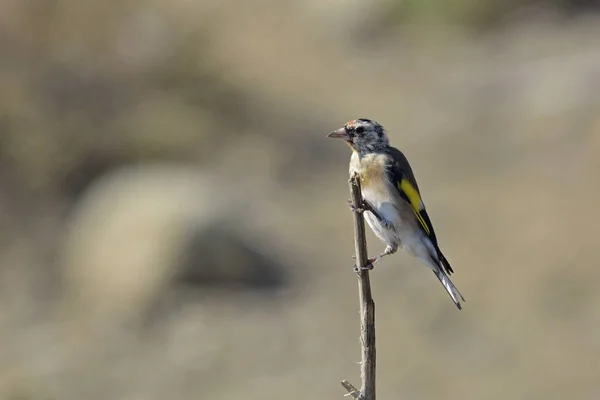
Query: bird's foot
x,y
364,207
367,207
368,267
355,209
362,179
370,264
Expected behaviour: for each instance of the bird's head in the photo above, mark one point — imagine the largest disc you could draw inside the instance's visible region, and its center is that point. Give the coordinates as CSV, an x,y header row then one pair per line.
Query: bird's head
x,y
363,135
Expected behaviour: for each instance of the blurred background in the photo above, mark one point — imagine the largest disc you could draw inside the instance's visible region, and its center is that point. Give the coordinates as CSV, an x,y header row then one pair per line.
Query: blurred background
x,y
173,222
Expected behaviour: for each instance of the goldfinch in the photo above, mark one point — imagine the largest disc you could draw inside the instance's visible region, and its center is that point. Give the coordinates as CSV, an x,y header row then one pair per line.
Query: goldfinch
x,y
393,205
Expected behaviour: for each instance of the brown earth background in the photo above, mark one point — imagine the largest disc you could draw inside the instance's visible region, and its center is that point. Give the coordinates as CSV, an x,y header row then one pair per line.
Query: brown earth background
x,y
173,221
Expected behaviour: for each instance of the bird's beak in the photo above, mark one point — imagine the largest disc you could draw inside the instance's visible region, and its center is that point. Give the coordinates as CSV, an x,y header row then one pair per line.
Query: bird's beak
x,y
339,134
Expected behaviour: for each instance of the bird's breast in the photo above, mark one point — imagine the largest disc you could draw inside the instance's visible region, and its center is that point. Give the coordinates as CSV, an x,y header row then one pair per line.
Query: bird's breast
x,y
373,178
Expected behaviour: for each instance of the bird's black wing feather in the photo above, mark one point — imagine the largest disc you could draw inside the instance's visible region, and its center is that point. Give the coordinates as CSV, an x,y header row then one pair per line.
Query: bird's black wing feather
x,y
403,179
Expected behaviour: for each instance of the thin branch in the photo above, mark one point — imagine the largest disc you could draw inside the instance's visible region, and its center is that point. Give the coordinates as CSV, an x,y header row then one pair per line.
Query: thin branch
x,y
352,391
367,306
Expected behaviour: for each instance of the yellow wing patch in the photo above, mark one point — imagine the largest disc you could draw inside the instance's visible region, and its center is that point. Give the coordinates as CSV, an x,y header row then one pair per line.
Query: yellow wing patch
x,y
415,201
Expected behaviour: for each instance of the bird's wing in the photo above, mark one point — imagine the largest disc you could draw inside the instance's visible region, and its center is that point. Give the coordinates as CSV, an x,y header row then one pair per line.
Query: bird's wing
x,y
403,179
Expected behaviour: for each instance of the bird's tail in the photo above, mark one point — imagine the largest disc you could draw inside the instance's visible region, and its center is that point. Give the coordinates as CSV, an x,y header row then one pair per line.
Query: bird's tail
x,y
449,286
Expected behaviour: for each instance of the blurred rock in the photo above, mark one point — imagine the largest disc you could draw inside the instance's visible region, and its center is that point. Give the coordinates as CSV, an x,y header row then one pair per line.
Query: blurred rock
x,y
139,229
217,257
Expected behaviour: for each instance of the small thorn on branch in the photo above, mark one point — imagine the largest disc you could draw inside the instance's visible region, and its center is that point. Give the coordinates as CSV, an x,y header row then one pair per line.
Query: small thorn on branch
x,y
352,390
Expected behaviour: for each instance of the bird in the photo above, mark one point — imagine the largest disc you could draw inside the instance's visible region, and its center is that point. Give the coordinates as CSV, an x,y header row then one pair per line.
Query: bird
x,y
393,206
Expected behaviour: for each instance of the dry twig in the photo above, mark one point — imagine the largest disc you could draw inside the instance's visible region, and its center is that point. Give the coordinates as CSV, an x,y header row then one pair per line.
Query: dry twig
x,y
367,306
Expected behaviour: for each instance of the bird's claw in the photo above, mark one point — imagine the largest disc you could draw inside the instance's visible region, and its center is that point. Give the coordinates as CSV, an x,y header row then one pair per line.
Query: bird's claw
x,y
370,264
355,209
353,177
366,268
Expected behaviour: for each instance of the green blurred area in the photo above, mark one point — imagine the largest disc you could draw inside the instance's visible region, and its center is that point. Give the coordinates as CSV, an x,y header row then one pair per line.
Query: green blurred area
x,y
483,15
173,221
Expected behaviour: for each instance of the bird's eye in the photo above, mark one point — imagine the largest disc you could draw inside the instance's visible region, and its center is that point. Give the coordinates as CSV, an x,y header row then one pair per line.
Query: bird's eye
x,y
360,129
